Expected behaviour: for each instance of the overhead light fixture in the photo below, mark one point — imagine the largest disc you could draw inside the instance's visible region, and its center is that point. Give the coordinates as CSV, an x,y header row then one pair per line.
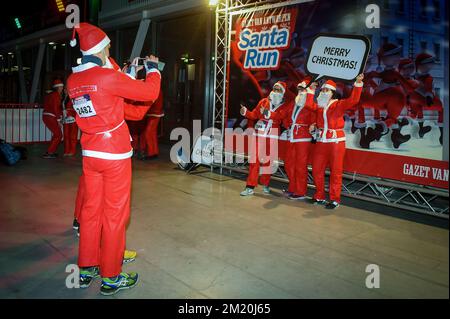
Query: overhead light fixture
x,y
60,5
63,44
51,43
10,53
18,25
213,3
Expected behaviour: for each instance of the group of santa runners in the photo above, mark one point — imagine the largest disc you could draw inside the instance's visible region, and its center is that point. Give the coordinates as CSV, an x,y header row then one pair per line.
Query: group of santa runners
x,y
307,119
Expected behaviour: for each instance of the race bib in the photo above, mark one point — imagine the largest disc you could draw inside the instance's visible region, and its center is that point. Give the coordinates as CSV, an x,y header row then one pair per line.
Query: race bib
x,y
261,126
83,106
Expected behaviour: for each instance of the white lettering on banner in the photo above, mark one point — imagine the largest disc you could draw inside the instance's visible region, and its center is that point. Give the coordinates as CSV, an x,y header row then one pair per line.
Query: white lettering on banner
x,y
281,18
438,174
258,44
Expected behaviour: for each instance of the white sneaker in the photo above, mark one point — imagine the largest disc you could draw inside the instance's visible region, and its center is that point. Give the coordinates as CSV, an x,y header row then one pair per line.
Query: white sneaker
x,y
266,190
247,192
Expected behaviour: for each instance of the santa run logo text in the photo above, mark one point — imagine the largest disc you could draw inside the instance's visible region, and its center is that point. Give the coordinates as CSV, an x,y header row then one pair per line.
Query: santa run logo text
x,y
236,146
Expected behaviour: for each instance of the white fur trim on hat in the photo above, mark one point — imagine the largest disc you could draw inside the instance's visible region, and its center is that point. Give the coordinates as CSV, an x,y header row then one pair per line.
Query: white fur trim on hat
x,y
302,84
58,85
328,86
392,51
431,59
98,47
280,86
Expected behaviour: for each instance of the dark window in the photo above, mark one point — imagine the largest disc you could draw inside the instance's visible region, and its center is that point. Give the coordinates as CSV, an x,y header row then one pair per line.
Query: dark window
x,y
401,6
423,46
401,43
437,9
437,51
423,7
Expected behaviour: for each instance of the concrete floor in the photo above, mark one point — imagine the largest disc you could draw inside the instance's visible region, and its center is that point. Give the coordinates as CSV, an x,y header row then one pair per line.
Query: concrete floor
x,y
196,238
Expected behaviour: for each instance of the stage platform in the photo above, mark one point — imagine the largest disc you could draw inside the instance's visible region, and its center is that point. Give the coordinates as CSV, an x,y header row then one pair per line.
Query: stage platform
x,y
197,238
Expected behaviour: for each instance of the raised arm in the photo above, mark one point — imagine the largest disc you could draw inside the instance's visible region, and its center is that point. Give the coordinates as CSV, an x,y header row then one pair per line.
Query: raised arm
x,y
353,100
122,85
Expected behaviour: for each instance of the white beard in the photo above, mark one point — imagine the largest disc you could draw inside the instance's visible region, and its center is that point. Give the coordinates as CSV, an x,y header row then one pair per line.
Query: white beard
x,y
300,99
275,99
323,99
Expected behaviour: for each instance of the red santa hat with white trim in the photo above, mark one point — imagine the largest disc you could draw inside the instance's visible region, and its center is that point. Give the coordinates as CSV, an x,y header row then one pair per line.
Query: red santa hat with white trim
x,y
281,85
304,83
405,63
57,83
329,84
92,39
424,58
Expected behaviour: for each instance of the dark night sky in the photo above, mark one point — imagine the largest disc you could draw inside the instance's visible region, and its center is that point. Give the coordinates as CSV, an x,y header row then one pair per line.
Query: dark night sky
x,y
20,8
32,14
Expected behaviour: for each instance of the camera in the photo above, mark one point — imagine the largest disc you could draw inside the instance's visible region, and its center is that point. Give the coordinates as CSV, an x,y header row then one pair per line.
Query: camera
x,y
161,65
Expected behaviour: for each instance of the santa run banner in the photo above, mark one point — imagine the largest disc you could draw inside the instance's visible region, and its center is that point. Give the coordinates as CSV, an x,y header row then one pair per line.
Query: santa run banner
x,y
396,131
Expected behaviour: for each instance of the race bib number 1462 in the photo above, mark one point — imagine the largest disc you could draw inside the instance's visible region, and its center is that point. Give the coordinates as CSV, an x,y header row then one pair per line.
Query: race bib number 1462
x,y
83,106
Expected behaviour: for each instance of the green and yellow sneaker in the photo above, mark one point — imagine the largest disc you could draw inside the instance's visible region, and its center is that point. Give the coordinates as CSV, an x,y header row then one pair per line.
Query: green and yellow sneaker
x,y
87,275
111,286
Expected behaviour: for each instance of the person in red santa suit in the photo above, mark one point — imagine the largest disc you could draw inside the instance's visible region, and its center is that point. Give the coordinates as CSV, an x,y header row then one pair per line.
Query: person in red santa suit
x,y
265,138
70,127
299,119
150,134
389,96
98,95
52,116
425,96
330,147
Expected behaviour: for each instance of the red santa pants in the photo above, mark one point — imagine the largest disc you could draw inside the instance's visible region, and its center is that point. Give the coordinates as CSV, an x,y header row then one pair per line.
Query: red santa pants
x,y
263,152
150,136
289,166
298,180
79,199
53,126
328,155
106,210
70,138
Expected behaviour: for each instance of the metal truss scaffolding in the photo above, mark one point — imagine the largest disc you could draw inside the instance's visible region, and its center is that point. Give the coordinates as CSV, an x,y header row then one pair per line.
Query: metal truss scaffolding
x,y
412,197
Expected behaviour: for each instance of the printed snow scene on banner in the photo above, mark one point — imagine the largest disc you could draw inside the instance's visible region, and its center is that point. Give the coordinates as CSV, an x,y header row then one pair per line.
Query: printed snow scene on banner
x,y
262,37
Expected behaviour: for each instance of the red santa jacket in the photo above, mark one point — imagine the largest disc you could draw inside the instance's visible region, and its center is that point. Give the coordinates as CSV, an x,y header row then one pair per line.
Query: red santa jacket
x,y
52,105
297,118
70,114
390,77
98,97
136,111
425,87
330,119
265,127
157,108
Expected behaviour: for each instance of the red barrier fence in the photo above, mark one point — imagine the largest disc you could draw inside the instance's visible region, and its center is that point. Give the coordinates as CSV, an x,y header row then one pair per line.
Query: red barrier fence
x,y
22,123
